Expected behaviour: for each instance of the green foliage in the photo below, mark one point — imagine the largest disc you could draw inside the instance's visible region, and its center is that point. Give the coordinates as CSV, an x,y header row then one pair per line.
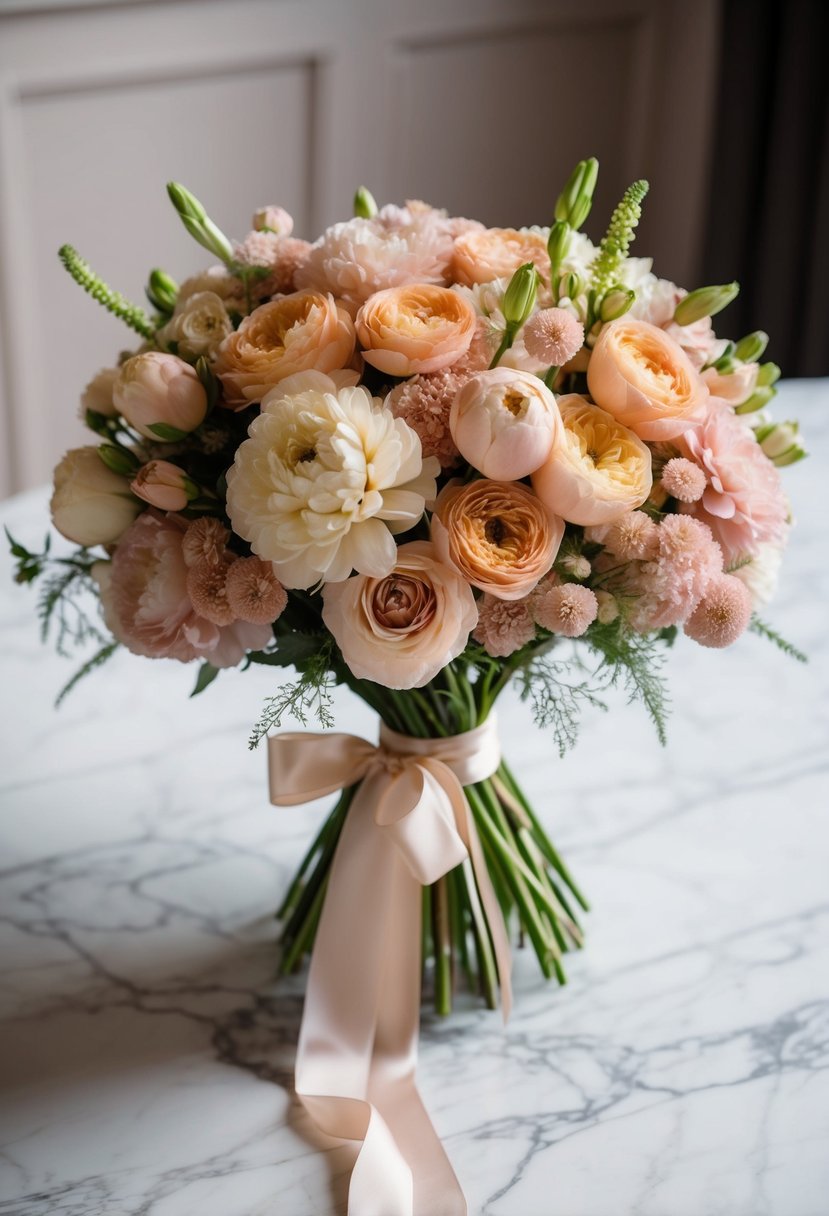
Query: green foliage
x,y
113,301
617,240
557,703
771,635
633,661
98,659
306,697
29,565
207,674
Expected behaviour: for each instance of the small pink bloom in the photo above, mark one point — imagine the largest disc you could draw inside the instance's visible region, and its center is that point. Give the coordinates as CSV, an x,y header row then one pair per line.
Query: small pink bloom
x,y
273,219
163,485
632,538
722,614
206,586
683,480
424,403
672,583
254,592
565,608
504,626
204,540
553,336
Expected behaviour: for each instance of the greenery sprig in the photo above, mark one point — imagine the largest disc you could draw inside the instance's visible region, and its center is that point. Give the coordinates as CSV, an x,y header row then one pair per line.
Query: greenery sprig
x,y
616,242
113,301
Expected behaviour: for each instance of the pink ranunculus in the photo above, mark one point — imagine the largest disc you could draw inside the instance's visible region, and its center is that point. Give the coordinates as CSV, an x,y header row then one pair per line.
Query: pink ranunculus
x,y
160,395
147,606
743,503
504,423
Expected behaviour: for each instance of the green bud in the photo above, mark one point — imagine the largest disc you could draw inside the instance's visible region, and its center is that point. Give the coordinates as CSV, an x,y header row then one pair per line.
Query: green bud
x,y
519,298
726,364
574,203
162,291
768,374
570,286
615,303
705,302
365,207
198,223
757,401
751,347
119,460
558,243
781,443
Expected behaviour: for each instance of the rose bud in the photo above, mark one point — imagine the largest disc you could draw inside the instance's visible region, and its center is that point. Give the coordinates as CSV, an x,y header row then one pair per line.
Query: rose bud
x,y
164,485
160,395
91,505
705,302
273,219
504,422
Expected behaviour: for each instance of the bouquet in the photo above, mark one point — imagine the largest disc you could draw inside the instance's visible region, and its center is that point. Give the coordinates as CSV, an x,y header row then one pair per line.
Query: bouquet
x,y
421,458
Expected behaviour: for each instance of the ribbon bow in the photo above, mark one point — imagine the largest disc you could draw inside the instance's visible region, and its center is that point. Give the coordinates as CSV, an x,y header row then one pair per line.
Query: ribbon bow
x,y
409,824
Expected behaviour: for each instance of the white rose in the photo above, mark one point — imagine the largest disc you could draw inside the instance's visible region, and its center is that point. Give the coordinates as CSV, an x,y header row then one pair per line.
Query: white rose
x,y
97,395
91,505
199,325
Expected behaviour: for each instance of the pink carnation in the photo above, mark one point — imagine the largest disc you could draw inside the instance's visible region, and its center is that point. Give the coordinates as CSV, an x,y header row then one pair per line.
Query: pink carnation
x,y
147,605
281,255
683,479
743,503
504,626
722,614
669,587
424,403
631,538
565,608
553,336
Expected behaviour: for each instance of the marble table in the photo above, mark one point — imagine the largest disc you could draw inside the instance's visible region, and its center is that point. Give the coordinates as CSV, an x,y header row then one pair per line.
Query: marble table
x,y
148,1046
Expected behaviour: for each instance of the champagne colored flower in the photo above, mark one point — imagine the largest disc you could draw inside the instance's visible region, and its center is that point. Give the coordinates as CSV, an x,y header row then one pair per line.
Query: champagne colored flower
x,y
683,480
323,480
163,485
198,326
205,540
565,608
504,626
90,504
301,332
597,469
554,336
207,589
147,606
273,219
482,255
415,328
743,503
722,614
642,377
734,387
160,395
499,536
98,394
254,592
402,629
504,423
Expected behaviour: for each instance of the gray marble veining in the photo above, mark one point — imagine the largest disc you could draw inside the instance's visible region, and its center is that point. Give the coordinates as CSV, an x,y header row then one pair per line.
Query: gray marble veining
x,y
147,1046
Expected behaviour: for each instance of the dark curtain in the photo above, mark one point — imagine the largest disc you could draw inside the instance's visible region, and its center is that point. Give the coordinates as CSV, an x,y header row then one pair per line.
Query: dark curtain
x,y
768,220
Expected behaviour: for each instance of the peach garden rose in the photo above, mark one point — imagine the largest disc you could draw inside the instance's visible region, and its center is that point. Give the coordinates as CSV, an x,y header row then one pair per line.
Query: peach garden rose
x,y
416,328
401,630
482,255
504,422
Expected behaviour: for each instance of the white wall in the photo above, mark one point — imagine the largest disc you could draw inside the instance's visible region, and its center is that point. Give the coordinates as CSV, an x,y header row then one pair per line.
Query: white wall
x,y
482,106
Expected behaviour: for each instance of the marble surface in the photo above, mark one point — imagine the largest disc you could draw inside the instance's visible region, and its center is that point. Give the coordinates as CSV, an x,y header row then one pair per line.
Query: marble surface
x,y
147,1047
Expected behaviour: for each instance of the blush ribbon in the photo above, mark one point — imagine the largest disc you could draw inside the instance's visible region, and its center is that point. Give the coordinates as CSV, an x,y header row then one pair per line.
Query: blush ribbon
x,y
408,824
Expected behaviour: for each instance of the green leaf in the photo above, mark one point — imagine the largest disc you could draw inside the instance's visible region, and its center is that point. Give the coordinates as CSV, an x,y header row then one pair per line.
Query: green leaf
x,y
292,650
771,635
16,548
167,433
207,674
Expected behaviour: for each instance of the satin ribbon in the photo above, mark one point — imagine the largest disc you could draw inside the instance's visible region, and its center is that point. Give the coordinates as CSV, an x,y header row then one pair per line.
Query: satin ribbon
x,y
408,825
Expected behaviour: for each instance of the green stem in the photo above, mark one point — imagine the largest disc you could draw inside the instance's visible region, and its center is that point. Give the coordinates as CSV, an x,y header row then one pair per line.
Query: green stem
x,y
541,838
487,967
442,938
506,343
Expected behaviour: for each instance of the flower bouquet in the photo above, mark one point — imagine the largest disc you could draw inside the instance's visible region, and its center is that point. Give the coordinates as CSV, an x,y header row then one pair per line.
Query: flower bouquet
x,y
418,457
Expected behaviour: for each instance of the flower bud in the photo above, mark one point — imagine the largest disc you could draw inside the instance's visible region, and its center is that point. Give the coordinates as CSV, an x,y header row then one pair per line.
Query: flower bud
x,y
91,505
608,608
197,222
570,286
558,243
616,303
751,347
781,443
162,291
365,205
273,219
118,460
519,298
164,485
160,395
757,401
768,374
574,203
734,384
705,302
576,565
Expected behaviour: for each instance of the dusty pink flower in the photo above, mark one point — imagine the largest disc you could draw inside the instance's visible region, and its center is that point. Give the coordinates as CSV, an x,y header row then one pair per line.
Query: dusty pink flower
x,y
504,423
254,592
279,254
553,336
204,540
743,503
674,581
565,608
147,605
257,249
683,479
734,387
277,219
206,586
722,614
504,626
424,403
631,538
155,389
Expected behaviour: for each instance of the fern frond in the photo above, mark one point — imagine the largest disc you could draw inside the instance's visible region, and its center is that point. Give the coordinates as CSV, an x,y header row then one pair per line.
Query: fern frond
x,y
764,630
308,696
